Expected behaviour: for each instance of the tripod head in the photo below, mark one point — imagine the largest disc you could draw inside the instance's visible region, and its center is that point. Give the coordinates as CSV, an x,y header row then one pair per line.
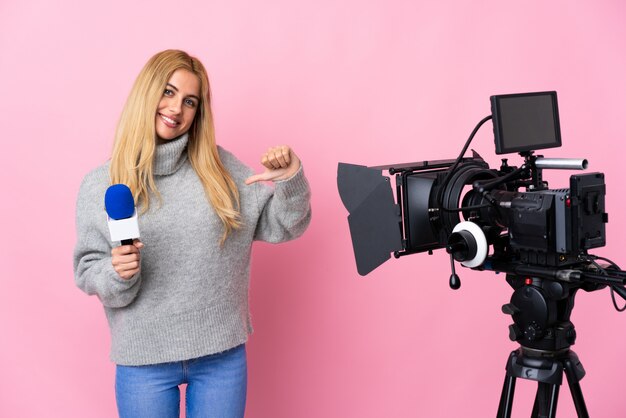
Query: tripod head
x,y
541,311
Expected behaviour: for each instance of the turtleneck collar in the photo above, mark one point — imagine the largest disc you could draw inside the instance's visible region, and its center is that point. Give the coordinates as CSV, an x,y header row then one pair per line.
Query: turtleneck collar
x,y
170,155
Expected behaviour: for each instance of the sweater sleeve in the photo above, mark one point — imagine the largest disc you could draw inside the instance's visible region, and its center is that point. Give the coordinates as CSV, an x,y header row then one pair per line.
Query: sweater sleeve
x,y
93,271
285,211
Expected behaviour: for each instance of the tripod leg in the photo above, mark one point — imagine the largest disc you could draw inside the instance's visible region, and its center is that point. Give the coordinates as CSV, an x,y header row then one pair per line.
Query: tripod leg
x,y
574,387
545,401
506,399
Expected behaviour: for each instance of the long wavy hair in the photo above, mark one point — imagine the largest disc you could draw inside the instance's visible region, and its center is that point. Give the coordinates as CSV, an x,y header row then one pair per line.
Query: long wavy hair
x,y
135,139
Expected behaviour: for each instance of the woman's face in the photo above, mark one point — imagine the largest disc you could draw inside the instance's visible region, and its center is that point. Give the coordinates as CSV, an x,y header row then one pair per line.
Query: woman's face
x,y
178,105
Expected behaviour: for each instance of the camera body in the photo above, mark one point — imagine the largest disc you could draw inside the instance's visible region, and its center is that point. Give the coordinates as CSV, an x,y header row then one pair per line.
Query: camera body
x,y
546,227
552,227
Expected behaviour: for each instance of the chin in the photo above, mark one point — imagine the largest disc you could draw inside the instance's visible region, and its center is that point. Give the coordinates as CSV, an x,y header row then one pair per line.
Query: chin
x,y
166,137
167,134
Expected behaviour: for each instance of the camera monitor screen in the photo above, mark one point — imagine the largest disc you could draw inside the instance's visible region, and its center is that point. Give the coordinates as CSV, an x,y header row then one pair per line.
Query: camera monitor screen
x,y
525,122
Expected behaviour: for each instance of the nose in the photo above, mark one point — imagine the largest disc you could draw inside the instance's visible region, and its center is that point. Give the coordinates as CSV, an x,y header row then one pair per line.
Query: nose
x,y
175,106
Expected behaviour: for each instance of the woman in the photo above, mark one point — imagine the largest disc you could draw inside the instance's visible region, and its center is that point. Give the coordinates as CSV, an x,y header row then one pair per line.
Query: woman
x,y
177,301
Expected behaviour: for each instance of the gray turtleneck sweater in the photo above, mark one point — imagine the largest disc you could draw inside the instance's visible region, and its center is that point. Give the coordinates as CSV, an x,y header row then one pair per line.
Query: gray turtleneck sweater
x,y
190,298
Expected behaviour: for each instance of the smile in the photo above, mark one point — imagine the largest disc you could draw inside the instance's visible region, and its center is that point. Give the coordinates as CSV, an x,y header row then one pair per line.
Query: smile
x,y
170,123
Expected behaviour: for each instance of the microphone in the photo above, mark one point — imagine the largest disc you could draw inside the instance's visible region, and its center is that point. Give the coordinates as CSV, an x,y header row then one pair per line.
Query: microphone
x,y
121,214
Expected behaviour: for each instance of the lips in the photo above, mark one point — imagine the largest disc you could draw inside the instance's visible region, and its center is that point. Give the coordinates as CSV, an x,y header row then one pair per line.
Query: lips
x,y
169,122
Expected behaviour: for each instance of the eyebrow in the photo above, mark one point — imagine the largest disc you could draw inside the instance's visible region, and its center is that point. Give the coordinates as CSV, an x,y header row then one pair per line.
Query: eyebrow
x,y
176,88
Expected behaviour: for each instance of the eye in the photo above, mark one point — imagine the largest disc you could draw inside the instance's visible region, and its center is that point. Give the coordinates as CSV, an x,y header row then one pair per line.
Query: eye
x,y
190,103
168,92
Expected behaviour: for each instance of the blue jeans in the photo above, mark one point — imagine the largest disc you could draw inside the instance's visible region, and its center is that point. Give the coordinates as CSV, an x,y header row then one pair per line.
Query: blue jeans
x,y
216,387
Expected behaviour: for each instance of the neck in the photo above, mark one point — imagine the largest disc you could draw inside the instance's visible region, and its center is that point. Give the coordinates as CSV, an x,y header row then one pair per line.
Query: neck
x,y
170,155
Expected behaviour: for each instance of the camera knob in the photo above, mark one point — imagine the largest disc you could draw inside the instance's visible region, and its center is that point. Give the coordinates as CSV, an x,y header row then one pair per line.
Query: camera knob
x,y
533,332
510,309
515,334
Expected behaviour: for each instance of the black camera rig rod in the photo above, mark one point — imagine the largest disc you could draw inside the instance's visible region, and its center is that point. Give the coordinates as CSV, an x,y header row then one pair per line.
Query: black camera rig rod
x,y
613,278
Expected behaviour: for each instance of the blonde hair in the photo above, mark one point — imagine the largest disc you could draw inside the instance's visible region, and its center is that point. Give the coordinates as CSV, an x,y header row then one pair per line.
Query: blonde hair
x,y
135,139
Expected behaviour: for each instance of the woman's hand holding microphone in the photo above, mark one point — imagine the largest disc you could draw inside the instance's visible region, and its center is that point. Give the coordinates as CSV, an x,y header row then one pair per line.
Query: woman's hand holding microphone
x,y
126,259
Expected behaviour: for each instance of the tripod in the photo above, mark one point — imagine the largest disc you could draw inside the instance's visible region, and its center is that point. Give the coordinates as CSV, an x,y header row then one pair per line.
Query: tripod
x,y
541,310
547,369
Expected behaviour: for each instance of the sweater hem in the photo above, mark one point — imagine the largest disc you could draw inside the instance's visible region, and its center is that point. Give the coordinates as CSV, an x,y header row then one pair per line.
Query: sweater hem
x,y
176,338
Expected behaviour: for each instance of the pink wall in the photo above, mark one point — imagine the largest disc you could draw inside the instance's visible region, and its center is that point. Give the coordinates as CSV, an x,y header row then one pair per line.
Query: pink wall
x,y
365,82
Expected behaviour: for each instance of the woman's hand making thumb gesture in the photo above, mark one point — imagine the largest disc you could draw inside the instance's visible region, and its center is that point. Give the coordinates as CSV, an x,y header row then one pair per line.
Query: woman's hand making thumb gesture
x,y
280,163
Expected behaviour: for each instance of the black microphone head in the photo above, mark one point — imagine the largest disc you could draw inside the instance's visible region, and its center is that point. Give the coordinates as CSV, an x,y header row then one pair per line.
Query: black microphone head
x,y
119,202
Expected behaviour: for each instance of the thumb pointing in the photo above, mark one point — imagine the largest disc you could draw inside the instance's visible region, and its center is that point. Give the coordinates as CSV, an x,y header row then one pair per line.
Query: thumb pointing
x,y
255,178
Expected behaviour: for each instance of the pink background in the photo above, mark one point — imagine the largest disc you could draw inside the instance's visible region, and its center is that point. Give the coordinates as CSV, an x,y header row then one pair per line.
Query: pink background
x,y
366,82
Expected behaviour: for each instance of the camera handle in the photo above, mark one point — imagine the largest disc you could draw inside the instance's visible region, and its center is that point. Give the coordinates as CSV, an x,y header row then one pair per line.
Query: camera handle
x,y
455,281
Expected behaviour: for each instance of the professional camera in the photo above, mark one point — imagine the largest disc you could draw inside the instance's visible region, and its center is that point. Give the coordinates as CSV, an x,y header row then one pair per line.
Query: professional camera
x,y
512,223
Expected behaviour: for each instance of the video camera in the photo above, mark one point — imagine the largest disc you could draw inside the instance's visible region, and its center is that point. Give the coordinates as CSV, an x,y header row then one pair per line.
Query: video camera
x,y
537,226
538,236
